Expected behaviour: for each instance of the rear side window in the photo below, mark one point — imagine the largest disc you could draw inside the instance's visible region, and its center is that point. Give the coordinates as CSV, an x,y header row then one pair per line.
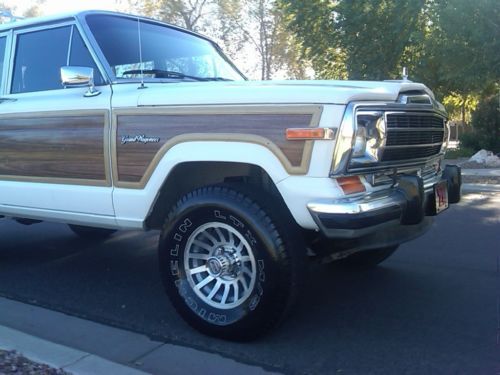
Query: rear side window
x,y
39,58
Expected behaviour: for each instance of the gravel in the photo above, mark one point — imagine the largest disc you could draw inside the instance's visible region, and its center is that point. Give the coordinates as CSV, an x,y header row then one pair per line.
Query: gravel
x,y
13,363
465,163
476,165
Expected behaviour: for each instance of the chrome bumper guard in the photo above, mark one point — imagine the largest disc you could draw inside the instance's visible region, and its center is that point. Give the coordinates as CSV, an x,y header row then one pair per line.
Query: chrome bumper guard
x,y
398,212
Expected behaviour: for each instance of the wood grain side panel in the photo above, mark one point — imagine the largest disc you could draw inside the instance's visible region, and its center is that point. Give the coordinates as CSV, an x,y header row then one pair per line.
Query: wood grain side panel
x,y
133,159
68,147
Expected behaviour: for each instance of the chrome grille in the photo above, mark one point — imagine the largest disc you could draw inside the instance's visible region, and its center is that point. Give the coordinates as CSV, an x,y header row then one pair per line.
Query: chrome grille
x,y
410,153
414,120
413,135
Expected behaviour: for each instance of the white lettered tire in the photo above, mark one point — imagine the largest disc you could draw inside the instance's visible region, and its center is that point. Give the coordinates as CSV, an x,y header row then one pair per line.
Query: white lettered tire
x,y
226,265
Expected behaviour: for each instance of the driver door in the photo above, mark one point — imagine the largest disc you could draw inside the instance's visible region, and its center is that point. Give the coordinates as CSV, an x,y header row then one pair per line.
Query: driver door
x,y
54,148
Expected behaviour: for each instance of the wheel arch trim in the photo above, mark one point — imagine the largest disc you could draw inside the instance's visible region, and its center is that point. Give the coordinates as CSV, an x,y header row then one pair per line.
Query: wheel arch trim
x,y
134,204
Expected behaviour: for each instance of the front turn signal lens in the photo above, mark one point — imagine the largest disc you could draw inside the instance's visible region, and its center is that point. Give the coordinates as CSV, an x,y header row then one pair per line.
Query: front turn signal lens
x,y
298,134
351,184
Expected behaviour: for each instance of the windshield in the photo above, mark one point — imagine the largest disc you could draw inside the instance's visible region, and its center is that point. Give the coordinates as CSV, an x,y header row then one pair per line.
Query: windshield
x,y
167,53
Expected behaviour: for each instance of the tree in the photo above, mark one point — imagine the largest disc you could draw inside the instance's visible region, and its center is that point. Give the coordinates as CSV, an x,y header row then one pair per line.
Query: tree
x,y
365,39
242,27
185,13
312,24
450,44
218,19
459,57
460,107
374,35
460,51
265,29
485,133
33,11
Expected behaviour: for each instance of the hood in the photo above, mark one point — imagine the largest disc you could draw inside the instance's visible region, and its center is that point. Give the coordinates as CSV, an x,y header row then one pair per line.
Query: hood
x,y
274,92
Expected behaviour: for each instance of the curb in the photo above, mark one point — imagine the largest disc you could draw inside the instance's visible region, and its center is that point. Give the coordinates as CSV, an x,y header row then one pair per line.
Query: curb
x,y
82,347
59,356
479,188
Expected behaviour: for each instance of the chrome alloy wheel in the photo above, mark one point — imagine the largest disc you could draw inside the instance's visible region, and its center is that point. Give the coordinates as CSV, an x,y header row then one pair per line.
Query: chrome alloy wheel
x,y
220,266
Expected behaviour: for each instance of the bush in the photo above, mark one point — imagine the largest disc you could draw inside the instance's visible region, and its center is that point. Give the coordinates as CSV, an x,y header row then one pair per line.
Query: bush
x,y
471,139
457,153
485,132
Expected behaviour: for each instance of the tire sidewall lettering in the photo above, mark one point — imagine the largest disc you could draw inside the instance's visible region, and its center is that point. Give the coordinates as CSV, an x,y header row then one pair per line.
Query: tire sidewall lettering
x,y
178,237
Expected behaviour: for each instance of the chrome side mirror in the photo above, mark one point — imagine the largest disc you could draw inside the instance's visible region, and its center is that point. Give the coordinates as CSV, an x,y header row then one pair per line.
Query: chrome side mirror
x,y
76,76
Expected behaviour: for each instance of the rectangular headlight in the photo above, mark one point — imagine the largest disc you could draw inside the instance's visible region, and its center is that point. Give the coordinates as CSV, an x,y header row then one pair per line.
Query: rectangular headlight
x,y
369,139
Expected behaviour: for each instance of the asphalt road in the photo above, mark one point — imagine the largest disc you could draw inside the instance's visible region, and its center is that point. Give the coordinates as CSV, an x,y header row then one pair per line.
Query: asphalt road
x,y
431,308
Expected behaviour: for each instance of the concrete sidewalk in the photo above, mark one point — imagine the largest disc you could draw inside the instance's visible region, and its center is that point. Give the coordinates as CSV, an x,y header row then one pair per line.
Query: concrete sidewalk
x,y
59,356
480,187
83,347
486,172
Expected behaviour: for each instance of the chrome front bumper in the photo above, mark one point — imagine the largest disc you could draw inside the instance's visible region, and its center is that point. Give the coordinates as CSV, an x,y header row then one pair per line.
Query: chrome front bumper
x,y
391,216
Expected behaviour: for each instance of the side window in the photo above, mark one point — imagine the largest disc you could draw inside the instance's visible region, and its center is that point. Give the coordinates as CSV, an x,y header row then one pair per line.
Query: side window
x,y
39,58
80,56
3,40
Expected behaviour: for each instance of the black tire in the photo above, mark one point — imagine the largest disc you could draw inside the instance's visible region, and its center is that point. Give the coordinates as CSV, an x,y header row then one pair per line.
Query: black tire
x,y
91,233
367,259
225,213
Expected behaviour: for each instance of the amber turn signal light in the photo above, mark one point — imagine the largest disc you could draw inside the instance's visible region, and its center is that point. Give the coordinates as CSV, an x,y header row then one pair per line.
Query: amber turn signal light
x,y
297,134
351,184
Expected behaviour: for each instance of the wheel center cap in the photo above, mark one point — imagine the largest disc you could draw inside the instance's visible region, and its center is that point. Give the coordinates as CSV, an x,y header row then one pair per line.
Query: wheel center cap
x,y
214,266
220,265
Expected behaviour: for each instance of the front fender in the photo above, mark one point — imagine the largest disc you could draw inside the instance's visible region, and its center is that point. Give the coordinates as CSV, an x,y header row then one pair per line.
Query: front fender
x,y
133,203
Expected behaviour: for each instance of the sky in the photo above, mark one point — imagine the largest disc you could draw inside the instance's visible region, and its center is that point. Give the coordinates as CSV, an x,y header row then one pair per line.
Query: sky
x,y
58,6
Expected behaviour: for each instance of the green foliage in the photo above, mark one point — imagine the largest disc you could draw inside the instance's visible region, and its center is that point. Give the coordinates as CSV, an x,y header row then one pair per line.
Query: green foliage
x,y
472,140
451,45
459,51
485,132
462,152
460,107
362,39
374,35
312,22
